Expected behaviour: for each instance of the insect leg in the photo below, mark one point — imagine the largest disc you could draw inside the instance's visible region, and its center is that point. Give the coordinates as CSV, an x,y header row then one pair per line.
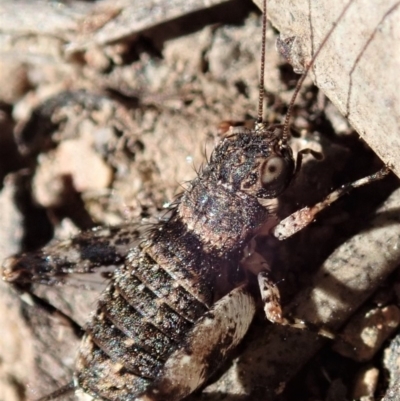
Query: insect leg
x,y
84,261
83,254
273,310
216,333
68,388
270,297
299,160
303,217
255,263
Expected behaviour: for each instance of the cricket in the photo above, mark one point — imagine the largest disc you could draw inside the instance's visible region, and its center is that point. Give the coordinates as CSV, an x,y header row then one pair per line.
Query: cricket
x,y
178,293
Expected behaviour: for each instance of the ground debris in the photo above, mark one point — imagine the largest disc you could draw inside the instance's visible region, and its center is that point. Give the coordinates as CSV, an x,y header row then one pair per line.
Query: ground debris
x,y
160,103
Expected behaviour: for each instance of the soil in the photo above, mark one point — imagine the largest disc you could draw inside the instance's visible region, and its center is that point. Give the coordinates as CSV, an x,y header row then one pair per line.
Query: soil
x,y
110,135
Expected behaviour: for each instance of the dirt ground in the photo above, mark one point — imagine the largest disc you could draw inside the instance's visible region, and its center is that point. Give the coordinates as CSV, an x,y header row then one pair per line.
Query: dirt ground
x,y
109,135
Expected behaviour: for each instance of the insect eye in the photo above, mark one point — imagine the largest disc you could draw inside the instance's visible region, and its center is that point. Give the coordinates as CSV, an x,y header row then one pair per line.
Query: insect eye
x,y
272,169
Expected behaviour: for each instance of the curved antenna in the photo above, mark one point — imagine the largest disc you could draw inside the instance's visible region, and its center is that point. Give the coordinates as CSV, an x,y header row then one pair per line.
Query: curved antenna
x,y
286,123
261,84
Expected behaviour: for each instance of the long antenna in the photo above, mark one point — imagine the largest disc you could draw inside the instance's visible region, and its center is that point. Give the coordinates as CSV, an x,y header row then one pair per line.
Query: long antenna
x,y
286,123
261,84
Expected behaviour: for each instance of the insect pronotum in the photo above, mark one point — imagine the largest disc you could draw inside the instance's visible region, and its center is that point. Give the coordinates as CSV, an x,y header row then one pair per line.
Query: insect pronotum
x,y
166,318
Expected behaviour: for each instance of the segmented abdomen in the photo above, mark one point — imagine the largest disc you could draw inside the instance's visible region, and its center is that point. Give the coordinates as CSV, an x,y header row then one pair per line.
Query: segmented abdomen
x,y
144,314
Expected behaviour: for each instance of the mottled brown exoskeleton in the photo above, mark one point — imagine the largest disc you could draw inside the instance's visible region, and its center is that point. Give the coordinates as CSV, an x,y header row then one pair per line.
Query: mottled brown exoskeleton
x,y
182,299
